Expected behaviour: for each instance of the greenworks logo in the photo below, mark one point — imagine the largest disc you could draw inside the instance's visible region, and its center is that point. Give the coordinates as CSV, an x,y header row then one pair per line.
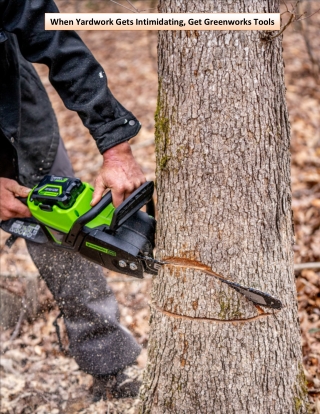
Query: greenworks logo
x,y
59,179
51,190
101,249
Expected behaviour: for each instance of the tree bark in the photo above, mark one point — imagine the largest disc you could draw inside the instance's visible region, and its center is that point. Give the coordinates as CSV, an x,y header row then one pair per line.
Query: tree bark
x,y
224,199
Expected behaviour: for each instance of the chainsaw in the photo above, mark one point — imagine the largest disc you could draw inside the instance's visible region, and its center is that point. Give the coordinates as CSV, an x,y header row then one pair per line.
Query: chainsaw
x,y
120,239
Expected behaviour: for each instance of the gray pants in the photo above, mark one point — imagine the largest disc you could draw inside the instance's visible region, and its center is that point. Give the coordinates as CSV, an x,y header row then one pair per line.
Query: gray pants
x,y
98,342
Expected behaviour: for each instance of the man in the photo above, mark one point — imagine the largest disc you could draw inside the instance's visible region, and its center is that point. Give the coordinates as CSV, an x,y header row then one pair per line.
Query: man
x,y
31,147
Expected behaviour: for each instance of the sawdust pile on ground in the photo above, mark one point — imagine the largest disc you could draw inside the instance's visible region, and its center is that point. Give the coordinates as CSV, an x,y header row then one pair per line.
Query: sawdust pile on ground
x,y
36,376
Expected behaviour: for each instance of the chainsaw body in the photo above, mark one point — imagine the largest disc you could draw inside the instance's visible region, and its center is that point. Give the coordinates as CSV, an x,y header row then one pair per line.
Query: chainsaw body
x,y
120,239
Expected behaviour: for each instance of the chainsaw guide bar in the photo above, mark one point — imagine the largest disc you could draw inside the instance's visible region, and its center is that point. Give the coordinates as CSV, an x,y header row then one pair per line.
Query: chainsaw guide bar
x,y
120,239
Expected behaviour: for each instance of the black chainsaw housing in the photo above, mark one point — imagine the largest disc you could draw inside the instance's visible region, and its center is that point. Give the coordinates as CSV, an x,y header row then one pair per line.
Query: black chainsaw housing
x,y
120,251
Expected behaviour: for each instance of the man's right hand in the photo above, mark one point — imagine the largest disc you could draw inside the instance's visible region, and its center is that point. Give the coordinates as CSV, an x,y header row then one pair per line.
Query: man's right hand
x,y
10,206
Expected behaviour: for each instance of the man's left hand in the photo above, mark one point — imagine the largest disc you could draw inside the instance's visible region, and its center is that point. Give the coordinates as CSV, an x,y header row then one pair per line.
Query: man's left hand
x,y
119,172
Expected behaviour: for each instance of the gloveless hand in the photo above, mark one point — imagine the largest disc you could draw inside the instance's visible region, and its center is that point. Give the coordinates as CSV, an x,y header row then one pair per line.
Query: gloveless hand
x,y
120,172
10,206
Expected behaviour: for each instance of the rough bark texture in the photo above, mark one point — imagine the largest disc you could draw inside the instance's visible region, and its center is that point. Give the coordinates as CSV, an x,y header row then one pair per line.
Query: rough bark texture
x,y
223,182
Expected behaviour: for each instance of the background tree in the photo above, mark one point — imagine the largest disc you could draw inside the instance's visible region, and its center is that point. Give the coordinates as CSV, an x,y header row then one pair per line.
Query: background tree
x,y
223,181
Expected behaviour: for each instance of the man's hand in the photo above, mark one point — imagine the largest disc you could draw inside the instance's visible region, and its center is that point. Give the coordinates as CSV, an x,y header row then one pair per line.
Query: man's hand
x,y
120,172
10,206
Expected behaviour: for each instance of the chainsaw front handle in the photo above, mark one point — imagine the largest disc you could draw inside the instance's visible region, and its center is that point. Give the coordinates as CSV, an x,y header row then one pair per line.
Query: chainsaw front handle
x,y
86,218
127,208
132,204
24,200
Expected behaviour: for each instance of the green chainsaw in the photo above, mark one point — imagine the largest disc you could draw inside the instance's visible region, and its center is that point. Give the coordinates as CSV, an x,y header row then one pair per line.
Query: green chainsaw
x,y
120,239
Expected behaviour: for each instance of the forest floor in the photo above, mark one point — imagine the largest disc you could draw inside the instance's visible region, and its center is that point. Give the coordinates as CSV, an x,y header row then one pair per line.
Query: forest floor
x,y
36,377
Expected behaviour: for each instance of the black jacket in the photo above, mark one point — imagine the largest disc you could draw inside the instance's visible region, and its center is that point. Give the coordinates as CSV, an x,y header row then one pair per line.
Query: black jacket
x,y
28,129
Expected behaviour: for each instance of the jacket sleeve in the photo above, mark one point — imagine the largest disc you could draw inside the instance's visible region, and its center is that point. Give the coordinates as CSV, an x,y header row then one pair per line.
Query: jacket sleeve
x,y
73,71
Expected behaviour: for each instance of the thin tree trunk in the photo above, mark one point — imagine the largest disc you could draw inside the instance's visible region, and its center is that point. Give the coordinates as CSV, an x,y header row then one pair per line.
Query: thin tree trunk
x,y
223,182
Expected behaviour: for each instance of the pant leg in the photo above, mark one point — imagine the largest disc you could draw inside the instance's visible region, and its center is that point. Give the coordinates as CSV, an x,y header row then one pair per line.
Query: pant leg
x,y
98,342
62,165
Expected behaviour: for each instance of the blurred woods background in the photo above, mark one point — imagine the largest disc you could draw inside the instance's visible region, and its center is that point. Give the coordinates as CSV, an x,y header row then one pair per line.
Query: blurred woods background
x,y
36,376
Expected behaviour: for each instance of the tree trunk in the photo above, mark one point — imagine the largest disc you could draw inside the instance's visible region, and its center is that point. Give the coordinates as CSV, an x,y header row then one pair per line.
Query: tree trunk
x,y
223,182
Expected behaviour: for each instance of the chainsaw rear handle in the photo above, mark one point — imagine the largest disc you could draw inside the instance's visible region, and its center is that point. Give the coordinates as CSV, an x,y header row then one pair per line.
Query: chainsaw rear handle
x,y
127,208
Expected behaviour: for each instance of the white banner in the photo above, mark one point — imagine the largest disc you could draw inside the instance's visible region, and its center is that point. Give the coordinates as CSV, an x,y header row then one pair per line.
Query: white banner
x,y
162,21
